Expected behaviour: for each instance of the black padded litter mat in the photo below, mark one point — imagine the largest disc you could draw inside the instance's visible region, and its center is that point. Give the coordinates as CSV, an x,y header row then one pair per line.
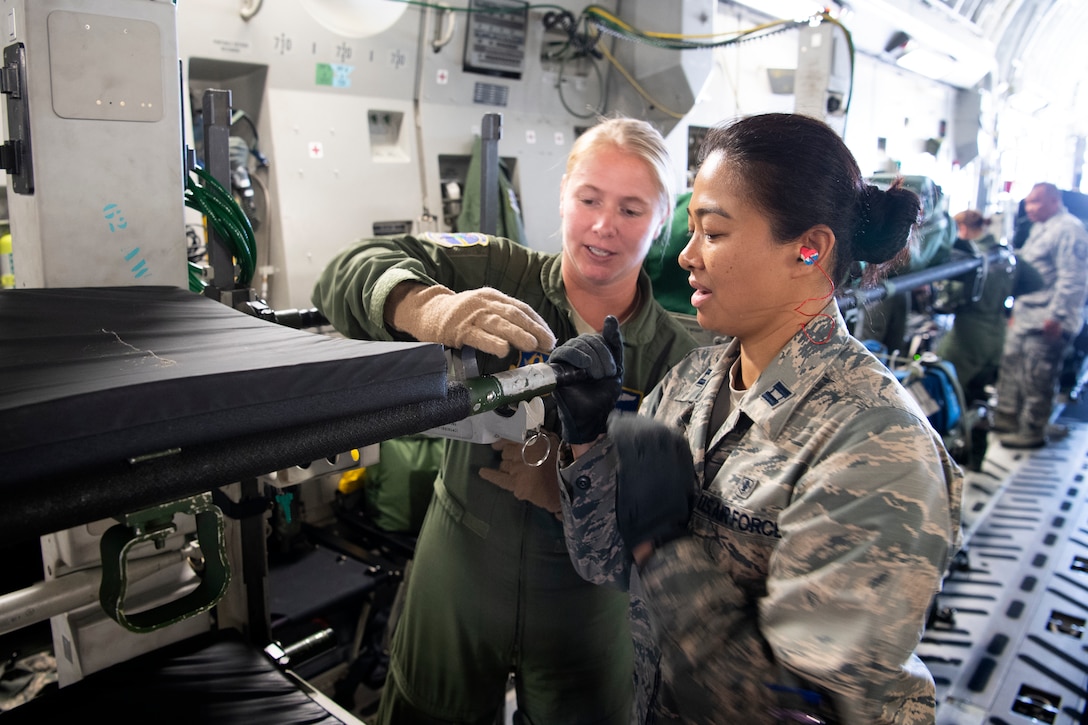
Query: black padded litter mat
x,y
216,678
93,377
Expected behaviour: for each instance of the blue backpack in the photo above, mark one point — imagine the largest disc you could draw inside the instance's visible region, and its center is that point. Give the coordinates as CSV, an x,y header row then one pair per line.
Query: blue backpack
x,y
934,384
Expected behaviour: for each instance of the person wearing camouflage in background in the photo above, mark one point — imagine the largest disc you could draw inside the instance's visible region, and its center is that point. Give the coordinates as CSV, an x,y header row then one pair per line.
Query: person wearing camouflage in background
x,y
1043,320
780,503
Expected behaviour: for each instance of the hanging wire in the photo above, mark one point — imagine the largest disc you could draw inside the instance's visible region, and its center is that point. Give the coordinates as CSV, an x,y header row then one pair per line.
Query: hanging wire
x,y
593,112
635,84
604,22
597,21
226,219
197,283
609,23
825,17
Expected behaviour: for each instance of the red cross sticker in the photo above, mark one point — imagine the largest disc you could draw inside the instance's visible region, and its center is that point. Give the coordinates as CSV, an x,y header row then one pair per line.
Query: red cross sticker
x,y
317,150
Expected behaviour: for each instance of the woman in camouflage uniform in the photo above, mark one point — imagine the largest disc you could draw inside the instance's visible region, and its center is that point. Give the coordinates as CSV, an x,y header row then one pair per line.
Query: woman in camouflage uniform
x,y
781,503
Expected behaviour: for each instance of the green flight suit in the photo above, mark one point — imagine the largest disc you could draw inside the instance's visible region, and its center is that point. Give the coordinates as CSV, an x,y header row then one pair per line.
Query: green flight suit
x,y
670,280
974,343
492,588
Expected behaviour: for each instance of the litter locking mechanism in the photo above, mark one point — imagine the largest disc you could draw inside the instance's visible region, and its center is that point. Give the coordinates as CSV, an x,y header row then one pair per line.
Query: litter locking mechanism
x,y
155,525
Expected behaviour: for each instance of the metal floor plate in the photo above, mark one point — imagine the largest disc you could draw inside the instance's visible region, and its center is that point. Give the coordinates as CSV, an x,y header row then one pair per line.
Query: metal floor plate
x,y
1014,649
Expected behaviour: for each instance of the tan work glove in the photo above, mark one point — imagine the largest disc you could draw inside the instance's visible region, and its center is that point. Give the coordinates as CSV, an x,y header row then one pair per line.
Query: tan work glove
x,y
539,485
484,318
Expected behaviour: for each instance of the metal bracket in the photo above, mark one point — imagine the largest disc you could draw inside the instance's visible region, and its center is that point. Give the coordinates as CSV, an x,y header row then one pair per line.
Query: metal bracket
x,y
511,423
16,156
156,525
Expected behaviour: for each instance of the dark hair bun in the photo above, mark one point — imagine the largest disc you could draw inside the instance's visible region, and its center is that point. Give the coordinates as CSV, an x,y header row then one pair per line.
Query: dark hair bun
x,y
885,219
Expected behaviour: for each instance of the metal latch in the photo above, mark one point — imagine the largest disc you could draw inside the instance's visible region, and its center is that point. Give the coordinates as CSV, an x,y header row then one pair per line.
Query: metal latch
x,y
155,525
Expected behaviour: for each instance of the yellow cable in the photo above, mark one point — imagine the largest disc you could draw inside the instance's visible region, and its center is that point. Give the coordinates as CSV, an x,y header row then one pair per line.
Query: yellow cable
x,y
593,9
642,92
601,12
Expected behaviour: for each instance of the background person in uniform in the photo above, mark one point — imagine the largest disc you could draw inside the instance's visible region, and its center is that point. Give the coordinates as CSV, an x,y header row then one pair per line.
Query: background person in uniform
x,y
976,339
780,501
492,589
1043,321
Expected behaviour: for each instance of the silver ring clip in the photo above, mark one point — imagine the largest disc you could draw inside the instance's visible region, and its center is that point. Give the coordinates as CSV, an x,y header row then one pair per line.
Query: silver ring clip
x,y
531,440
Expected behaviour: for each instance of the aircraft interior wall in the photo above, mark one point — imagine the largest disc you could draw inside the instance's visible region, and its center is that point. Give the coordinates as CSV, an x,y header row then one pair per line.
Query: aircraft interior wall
x,y
361,152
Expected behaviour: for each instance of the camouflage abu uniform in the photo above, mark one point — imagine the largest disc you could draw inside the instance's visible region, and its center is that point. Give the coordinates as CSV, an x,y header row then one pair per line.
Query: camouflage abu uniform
x,y
815,550
1057,251
492,586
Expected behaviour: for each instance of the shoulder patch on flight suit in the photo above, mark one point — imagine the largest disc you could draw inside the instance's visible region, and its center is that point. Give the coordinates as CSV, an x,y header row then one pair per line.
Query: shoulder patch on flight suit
x,y
470,239
532,358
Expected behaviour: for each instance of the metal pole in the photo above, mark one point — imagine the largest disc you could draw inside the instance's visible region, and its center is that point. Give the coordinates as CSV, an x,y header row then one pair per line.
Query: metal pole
x,y
907,282
216,124
45,599
490,133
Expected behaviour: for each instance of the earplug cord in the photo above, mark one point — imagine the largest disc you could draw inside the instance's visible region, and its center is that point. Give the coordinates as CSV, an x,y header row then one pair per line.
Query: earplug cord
x,y
816,315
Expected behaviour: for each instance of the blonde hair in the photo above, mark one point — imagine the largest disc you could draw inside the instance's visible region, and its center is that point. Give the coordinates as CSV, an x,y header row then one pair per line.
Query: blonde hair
x,y
635,137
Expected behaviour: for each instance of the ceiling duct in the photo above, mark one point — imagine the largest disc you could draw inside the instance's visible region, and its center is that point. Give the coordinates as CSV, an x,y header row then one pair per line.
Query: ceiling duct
x,y
670,79
914,56
926,38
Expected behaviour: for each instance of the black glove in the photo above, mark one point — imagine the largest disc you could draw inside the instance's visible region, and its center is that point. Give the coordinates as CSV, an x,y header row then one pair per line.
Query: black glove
x,y
655,494
584,406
